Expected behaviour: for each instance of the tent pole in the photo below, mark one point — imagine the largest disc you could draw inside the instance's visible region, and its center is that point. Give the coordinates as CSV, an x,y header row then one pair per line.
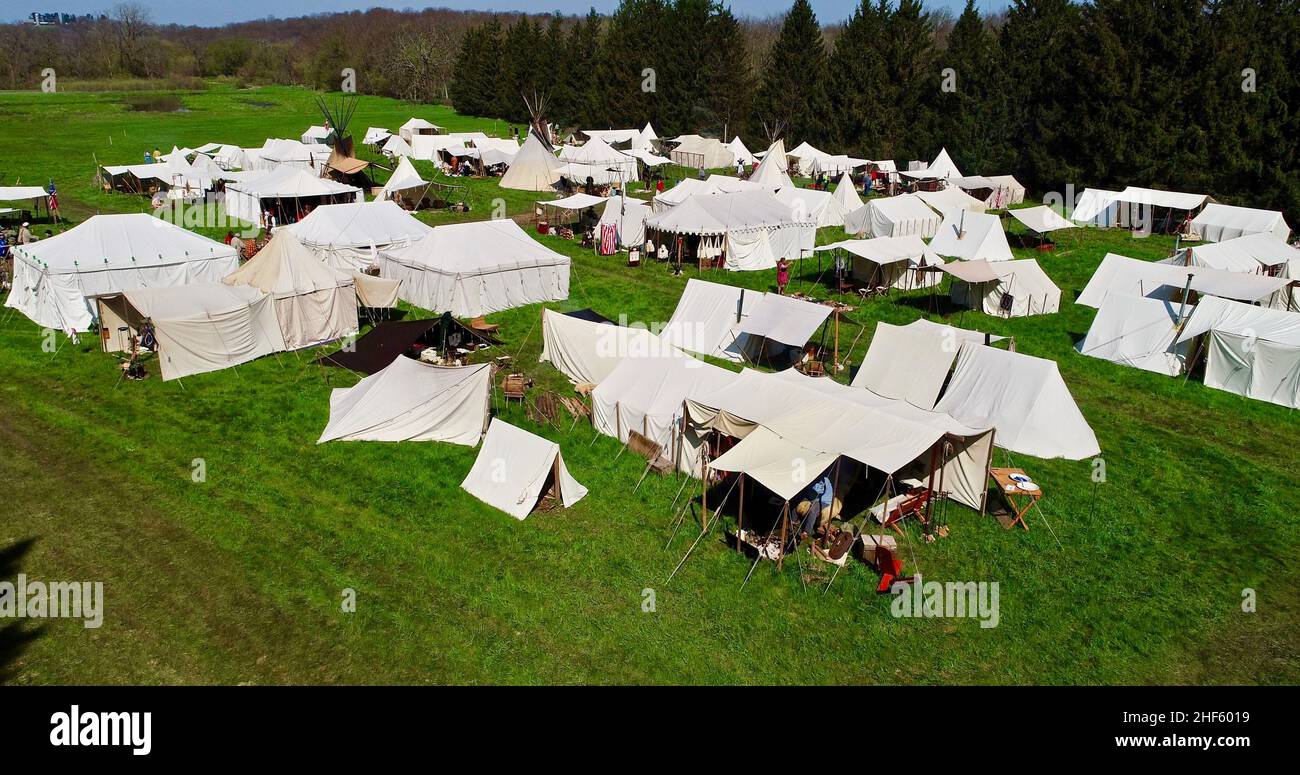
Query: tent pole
x,y
984,479
740,520
785,520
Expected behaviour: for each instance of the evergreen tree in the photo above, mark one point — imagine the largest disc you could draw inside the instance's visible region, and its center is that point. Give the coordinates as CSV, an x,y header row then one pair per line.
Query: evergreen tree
x,y
628,83
970,118
793,91
728,83
858,101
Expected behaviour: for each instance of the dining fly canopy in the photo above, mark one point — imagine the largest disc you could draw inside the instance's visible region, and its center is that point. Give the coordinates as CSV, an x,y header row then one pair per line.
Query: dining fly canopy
x,y
1133,277
1041,219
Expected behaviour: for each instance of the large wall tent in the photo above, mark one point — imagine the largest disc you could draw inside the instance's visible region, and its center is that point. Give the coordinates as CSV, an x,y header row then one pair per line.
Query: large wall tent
x,y
904,215
1250,350
904,263
350,236
1005,288
472,269
54,278
1139,332
410,400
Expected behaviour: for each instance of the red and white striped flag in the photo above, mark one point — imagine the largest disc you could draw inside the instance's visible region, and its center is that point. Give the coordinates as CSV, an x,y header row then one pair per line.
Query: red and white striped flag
x,y
608,239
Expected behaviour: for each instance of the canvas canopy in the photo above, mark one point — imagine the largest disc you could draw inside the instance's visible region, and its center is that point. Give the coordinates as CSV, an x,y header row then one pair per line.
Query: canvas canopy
x,y
891,262
1005,288
404,179
376,135
1128,207
200,327
708,318
316,134
807,204
950,201
1023,397
276,152
628,216
427,146
472,269
577,201
21,193
1041,219
1139,332
909,363
314,303
515,469
757,227
1252,254
1132,277
534,167
600,161
784,319
613,136
55,277
588,351
831,166
688,187
410,400
1251,351
349,236
703,153
895,216
288,187
971,236
1096,207
1219,222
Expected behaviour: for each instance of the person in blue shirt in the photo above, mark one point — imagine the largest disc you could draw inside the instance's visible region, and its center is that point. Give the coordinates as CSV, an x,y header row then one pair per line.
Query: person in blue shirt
x,y
818,498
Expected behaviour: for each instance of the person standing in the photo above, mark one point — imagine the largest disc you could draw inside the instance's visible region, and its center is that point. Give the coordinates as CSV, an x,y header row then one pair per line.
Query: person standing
x,y
782,276
24,234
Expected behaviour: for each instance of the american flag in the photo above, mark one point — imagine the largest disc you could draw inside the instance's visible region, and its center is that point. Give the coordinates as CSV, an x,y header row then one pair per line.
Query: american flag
x,y
608,239
54,198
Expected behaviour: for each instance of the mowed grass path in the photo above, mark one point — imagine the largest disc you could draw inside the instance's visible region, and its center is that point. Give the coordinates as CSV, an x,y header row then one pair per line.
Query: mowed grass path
x,y
240,578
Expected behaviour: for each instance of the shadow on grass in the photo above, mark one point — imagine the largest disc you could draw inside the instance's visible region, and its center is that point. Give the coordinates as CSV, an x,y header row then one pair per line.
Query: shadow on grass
x,y
17,636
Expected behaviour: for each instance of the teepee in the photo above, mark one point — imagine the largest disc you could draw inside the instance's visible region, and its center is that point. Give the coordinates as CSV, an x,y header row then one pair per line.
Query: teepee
x,y
847,194
771,173
534,168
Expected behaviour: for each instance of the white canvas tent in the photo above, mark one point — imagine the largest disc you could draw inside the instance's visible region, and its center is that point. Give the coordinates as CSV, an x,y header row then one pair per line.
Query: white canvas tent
x,y
395,146
708,318
1041,219
199,328
1023,397
771,173
1133,206
689,187
950,201
1096,207
1218,222
702,153
1253,254
1010,191
410,400
909,363
534,168
314,303
349,236
942,168
782,320
895,216
288,189
807,204
598,160
515,469
891,262
55,277
628,216
1250,350
847,195
1005,288
755,227
415,127
1139,332
405,182
316,135
740,153
472,269
587,352
971,236
1133,277
376,135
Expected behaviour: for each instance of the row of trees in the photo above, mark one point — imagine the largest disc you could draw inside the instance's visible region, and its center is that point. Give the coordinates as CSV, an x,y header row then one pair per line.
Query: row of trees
x,y
1201,95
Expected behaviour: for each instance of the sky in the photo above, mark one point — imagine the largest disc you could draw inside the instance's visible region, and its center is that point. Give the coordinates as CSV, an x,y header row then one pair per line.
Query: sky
x,y
207,13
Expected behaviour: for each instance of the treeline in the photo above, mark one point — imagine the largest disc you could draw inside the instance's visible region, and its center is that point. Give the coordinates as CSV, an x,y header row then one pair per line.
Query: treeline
x,y
1200,95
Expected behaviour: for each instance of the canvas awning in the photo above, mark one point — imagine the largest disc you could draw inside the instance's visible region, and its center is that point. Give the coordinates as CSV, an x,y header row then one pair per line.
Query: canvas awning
x,y
1041,219
784,319
577,201
1133,277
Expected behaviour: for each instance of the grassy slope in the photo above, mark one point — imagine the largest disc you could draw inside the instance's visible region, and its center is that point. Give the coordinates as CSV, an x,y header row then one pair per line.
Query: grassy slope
x,y
239,579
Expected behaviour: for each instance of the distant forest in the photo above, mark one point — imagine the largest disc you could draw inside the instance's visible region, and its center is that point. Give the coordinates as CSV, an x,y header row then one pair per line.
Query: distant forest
x,y
1194,95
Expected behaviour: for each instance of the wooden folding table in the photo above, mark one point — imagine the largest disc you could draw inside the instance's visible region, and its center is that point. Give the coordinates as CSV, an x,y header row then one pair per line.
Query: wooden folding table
x,y
1019,490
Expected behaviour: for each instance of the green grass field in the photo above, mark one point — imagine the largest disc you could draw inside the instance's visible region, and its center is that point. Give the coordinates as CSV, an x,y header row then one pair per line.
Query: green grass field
x,y
239,579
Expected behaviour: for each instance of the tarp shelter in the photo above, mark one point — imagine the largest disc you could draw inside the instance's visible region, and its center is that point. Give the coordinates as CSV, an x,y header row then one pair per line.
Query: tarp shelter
x,y
1218,222
782,320
891,262
909,363
1005,288
534,168
1135,206
54,278
391,339
628,216
34,194
516,469
1023,397
1139,332
410,400
708,318
313,302
1252,254
807,204
588,351
418,126
1133,277
405,183
808,423
754,227
895,216
846,193
950,201
472,269
1041,219
350,236
771,173
199,328
971,236
1250,350
942,168
287,192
